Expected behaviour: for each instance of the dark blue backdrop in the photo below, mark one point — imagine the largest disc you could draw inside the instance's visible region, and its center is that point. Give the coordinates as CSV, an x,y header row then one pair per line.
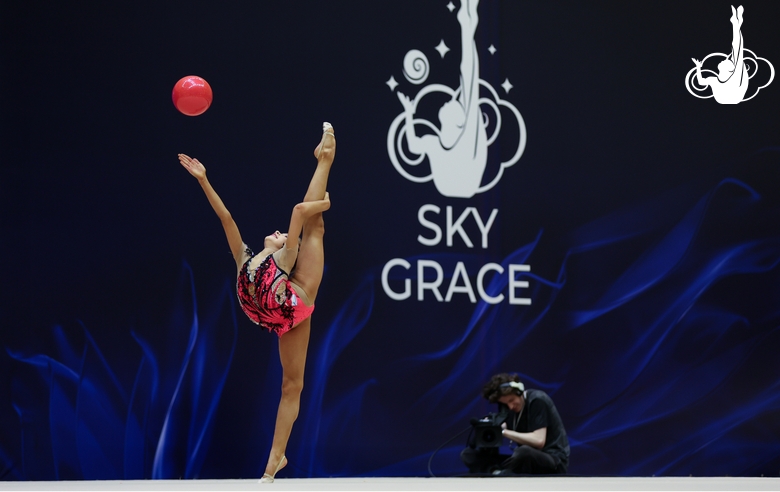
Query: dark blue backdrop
x,y
649,219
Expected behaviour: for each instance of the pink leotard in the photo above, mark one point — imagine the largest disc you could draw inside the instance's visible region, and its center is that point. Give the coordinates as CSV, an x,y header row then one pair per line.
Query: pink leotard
x,y
268,298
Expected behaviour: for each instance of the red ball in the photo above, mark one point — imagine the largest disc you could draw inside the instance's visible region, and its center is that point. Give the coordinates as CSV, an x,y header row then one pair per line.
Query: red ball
x,y
192,95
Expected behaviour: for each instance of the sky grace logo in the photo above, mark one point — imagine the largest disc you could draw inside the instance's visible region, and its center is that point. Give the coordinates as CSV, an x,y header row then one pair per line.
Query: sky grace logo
x,y
470,119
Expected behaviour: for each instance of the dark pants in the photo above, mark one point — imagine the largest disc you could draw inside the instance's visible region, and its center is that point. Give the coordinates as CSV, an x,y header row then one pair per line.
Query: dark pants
x,y
524,460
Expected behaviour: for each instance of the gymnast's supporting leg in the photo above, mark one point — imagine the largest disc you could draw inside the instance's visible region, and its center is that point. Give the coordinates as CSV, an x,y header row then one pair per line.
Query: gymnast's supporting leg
x,y
293,346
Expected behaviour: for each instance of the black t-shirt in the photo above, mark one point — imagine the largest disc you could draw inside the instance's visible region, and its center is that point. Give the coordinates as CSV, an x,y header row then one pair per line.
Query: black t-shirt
x,y
540,411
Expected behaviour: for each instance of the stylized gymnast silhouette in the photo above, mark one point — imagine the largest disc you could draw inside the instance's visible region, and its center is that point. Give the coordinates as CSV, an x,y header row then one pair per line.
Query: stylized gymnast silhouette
x,y
458,155
277,286
731,84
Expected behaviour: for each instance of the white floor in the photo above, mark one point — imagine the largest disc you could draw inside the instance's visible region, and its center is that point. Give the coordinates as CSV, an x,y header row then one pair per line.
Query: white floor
x,y
665,484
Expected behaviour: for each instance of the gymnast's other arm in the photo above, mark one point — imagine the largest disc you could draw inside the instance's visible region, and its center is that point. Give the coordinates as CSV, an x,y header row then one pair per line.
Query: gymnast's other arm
x,y
287,256
198,170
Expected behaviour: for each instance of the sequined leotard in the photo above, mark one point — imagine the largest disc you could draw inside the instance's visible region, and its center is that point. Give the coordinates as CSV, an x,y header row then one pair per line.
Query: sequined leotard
x,y
268,298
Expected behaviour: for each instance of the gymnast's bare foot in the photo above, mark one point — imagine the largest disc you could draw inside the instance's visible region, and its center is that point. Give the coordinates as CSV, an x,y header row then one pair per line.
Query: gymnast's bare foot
x,y
326,150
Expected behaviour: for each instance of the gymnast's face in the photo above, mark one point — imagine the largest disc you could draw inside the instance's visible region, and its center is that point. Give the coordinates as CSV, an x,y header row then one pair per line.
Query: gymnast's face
x,y
725,69
514,401
276,240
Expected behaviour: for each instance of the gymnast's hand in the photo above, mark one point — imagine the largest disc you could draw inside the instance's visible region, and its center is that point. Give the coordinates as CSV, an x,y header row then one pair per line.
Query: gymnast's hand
x,y
193,166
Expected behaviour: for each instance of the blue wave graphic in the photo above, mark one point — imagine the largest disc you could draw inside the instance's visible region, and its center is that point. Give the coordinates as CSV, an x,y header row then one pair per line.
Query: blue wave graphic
x,y
94,425
656,336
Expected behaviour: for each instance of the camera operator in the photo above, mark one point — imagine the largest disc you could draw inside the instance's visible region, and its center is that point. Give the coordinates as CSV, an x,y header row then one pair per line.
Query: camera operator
x,y
532,425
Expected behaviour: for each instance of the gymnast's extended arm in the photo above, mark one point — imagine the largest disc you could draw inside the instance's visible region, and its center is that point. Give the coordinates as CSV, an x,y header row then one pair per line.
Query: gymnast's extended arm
x,y
198,170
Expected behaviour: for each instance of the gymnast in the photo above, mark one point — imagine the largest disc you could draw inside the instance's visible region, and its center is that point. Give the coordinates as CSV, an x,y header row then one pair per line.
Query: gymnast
x,y
277,286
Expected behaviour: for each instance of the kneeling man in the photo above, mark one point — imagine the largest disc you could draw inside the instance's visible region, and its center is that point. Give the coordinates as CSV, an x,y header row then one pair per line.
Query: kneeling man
x,y
533,426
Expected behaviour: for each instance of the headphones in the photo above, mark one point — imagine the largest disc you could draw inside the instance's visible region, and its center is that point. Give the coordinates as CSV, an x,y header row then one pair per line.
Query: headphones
x,y
519,388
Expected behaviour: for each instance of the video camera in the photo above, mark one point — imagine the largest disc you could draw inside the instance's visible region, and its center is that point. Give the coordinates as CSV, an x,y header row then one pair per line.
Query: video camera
x,y
487,430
